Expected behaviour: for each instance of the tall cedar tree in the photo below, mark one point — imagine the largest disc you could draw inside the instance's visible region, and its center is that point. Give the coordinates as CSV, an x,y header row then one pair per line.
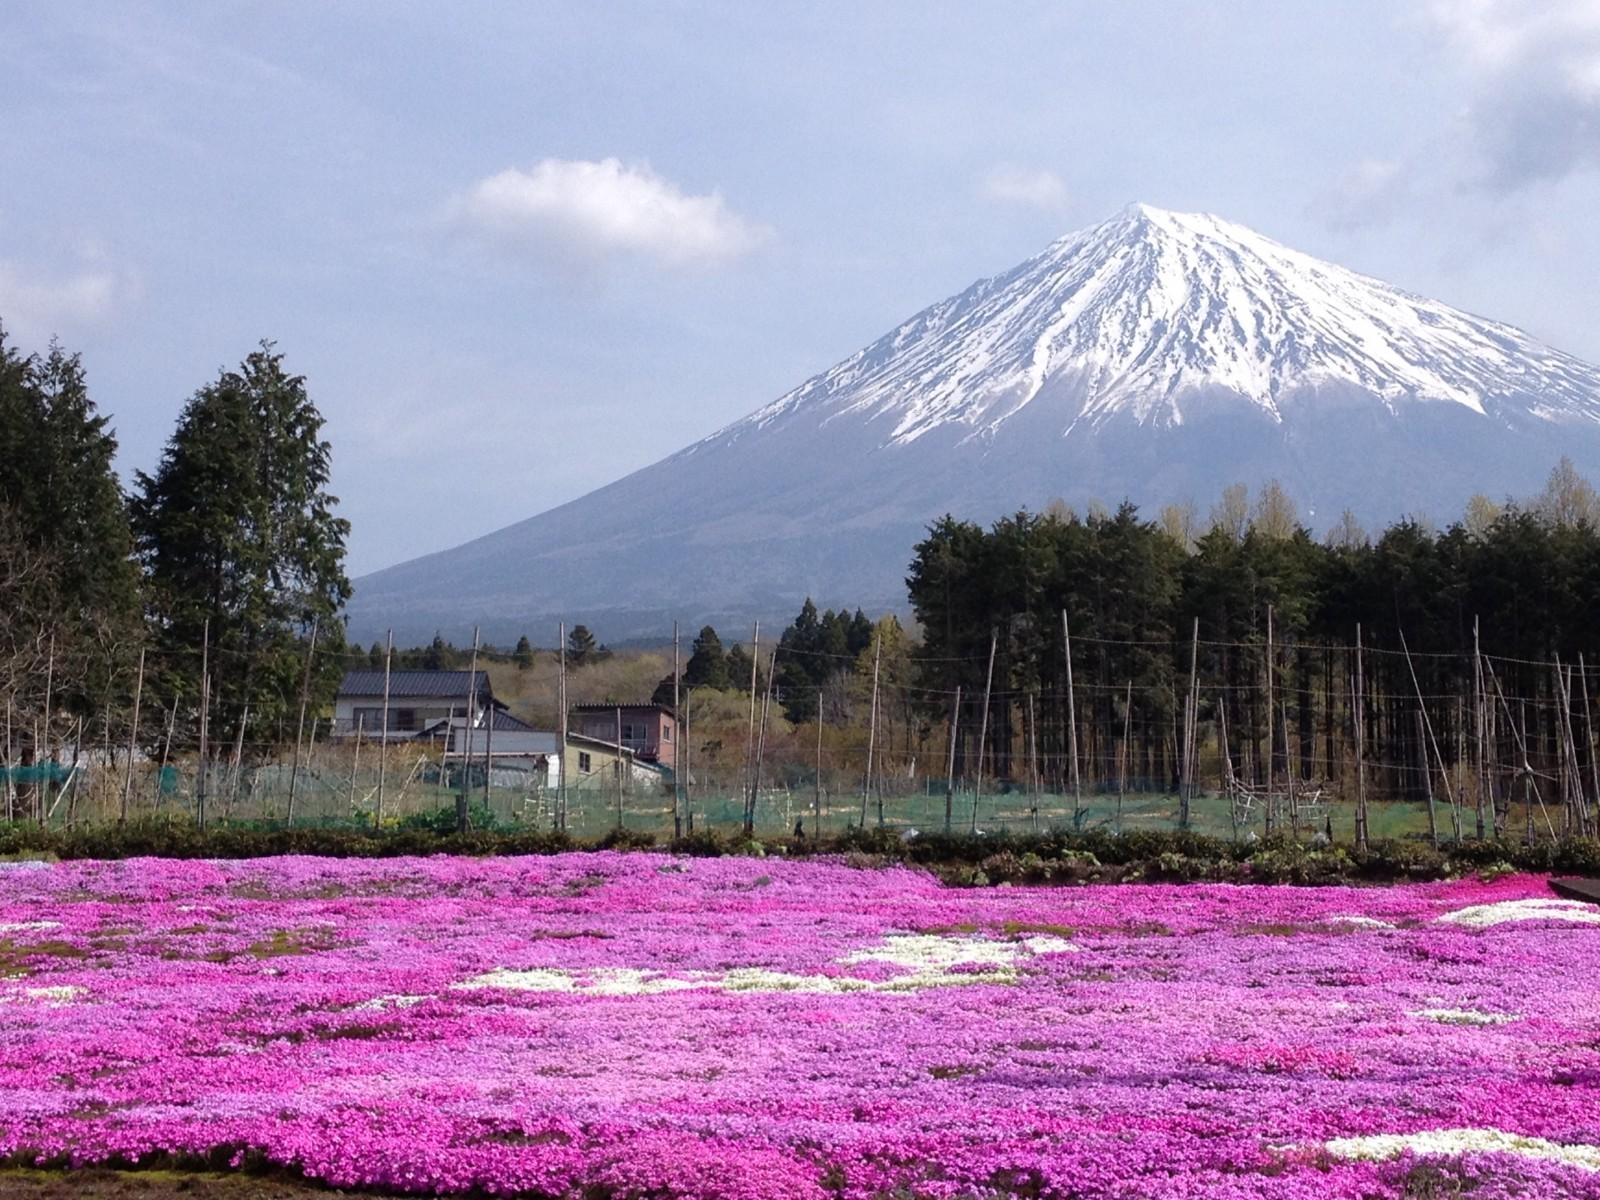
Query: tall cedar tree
x,y
580,646
63,506
236,527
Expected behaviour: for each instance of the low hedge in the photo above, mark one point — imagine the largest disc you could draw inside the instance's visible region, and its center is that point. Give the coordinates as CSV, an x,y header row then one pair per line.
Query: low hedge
x,y
959,858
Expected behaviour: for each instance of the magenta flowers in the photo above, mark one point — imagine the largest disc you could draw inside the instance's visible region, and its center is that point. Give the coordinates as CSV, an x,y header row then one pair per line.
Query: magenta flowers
x,y
638,1025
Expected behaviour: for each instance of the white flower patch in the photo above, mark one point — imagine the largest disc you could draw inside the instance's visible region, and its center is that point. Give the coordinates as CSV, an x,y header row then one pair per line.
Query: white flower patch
x,y
1482,916
1464,1141
28,926
378,1003
930,960
1363,922
1463,1016
50,997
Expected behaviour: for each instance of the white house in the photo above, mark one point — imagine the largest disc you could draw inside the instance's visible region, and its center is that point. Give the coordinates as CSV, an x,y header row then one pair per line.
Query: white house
x,y
417,699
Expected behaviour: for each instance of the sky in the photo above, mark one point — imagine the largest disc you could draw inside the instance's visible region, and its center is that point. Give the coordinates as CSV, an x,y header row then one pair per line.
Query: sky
x,y
521,249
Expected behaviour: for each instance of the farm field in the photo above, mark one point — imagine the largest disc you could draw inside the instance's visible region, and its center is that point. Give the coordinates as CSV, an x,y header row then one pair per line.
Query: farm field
x,y
612,1025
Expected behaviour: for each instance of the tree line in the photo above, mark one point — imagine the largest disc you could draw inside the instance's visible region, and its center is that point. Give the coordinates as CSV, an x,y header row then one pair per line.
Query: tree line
x,y
1265,619
195,594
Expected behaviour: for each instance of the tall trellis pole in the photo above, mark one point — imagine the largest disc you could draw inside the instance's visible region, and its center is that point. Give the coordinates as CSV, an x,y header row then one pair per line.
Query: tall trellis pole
x,y
1191,723
305,691
133,741
383,733
677,780
466,755
983,728
205,716
1359,717
561,750
950,770
1072,724
872,735
750,730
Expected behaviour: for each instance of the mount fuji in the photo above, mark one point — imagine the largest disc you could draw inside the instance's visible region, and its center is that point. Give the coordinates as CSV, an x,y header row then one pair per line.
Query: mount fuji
x,y
1156,357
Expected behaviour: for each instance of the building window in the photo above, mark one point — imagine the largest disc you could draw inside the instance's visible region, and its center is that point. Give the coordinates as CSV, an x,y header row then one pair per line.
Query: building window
x,y
666,733
405,719
585,763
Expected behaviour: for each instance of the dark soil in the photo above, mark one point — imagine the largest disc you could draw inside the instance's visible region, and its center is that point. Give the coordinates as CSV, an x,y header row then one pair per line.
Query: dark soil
x,y
91,1184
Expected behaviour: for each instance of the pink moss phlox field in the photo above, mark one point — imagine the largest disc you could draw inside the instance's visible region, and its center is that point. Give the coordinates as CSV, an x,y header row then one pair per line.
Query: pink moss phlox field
x,y
637,1025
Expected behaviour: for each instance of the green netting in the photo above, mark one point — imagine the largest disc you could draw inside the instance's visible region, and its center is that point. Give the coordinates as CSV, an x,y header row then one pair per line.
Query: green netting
x,y
34,773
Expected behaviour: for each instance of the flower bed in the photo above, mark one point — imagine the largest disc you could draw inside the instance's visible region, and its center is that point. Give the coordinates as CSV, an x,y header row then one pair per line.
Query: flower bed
x,y
630,1025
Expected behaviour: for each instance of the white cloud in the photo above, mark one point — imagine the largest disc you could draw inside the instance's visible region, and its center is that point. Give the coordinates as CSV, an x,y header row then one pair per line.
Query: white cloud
x,y
1370,193
1534,70
1026,186
591,210
35,307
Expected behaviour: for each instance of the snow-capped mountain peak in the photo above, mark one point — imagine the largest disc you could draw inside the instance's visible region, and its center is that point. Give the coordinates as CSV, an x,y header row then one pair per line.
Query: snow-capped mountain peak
x,y
1158,357
1150,313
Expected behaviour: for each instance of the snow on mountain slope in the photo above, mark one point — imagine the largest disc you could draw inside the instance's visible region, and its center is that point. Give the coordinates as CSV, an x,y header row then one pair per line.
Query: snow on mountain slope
x,y
1153,307
1156,357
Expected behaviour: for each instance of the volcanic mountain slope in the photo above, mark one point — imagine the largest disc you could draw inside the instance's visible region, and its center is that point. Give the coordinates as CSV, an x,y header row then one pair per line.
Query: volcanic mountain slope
x,y
1157,357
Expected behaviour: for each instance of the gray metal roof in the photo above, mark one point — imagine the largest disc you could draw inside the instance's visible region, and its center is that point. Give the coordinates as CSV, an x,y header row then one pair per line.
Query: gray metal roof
x,y
443,684
504,722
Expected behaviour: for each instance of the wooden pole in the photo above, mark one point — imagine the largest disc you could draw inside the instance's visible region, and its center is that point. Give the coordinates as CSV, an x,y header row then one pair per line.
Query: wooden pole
x,y
1427,779
1461,758
488,753
1122,755
816,791
1589,747
1288,771
1530,789
355,762
238,762
950,768
1191,723
872,733
677,783
983,727
621,764
688,762
200,770
761,742
1072,725
1230,781
1359,712
1271,747
1480,727
43,789
1427,726
561,703
133,740
466,755
750,732
383,733
1572,773
300,729
1033,763
11,791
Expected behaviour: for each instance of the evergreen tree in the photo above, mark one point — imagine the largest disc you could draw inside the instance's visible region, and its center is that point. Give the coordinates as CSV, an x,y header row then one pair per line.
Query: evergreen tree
x,y
580,646
438,655
65,508
708,665
375,655
523,654
236,532
738,667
